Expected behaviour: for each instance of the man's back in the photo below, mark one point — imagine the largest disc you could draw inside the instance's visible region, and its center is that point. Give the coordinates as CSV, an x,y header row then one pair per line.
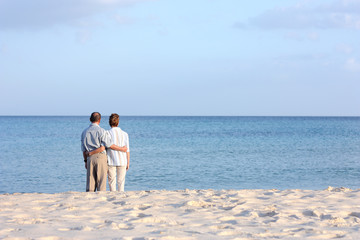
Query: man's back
x,y
93,137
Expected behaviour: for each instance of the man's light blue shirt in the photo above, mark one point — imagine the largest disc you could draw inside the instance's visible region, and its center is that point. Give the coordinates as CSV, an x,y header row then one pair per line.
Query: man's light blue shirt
x,y
94,137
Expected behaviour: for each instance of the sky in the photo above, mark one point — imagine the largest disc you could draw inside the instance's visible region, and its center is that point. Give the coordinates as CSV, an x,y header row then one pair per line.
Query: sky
x,y
180,57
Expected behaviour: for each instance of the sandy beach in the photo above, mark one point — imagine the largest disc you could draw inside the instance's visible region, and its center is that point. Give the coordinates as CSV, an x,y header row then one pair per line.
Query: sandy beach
x,y
183,214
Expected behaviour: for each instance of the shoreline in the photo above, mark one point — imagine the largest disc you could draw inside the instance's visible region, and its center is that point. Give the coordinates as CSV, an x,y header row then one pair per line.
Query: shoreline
x,y
182,214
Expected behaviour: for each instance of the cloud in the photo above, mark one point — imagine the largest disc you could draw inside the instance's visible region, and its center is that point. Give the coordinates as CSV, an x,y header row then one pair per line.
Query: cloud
x,y
334,14
301,57
124,20
353,65
83,36
240,25
3,48
313,36
300,36
38,14
344,48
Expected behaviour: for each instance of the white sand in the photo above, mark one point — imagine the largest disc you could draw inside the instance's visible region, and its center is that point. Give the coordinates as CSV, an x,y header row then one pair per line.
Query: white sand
x,y
187,214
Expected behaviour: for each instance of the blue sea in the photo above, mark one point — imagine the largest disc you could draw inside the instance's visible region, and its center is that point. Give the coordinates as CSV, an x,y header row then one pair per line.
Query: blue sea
x,y
42,154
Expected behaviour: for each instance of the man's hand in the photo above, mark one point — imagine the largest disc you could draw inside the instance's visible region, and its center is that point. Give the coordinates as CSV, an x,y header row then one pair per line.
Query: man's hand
x,y
85,157
127,167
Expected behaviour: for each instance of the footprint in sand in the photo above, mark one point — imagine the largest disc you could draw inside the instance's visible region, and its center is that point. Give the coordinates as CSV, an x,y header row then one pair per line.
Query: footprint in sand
x,y
81,228
311,213
269,193
140,215
142,207
355,214
263,198
121,203
228,220
238,202
268,214
247,213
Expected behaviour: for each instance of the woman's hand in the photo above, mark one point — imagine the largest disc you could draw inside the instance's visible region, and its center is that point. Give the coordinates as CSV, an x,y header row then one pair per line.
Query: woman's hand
x,y
98,150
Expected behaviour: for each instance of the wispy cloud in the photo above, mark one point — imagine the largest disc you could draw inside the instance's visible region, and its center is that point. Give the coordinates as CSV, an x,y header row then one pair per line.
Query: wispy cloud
x,y
334,14
302,57
38,14
294,35
83,36
124,20
353,65
3,48
345,48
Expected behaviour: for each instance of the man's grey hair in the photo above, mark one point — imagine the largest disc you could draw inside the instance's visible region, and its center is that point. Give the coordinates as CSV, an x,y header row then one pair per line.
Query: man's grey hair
x,y
95,117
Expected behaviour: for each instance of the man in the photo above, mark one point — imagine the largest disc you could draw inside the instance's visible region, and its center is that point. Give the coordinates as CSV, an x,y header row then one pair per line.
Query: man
x,y
118,162
93,138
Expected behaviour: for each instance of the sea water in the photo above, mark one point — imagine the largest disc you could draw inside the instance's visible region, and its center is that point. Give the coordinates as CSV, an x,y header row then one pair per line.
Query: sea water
x,y
43,154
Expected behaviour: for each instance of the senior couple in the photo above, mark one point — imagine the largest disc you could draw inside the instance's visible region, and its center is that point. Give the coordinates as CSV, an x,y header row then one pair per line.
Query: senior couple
x,y
105,153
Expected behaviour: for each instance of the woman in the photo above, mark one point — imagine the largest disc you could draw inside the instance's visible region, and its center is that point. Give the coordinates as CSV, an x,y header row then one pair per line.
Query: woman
x,y
118,161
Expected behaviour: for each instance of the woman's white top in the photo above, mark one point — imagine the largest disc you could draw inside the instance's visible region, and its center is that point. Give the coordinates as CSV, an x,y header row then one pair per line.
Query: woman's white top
x,y
121,139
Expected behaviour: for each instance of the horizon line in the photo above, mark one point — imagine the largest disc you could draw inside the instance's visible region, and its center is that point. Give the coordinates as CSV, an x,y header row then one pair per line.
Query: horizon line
x,y
56,115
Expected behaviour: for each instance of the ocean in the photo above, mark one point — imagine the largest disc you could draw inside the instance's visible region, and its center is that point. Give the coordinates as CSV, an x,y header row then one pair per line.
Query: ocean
x,y
43,154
